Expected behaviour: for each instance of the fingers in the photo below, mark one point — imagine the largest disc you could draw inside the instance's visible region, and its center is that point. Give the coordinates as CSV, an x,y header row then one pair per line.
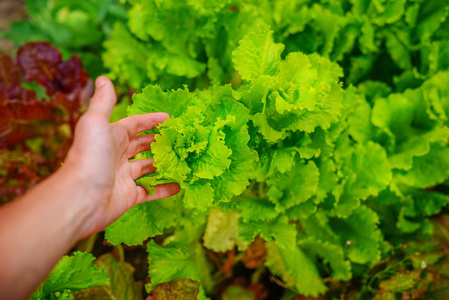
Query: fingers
x,y
141,167
140,123
160,192
140,143
103,100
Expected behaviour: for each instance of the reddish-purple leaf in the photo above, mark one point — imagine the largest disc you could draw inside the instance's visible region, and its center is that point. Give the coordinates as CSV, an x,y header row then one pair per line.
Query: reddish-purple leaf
x,y
10,82
24,116
40,62
23,120
71,75
9,71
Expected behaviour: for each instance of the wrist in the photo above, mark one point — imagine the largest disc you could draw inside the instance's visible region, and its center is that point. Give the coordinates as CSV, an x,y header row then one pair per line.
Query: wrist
x,y
91,193
75,201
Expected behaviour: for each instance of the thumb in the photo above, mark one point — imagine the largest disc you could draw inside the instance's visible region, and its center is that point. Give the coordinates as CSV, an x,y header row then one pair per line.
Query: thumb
x,y
104,98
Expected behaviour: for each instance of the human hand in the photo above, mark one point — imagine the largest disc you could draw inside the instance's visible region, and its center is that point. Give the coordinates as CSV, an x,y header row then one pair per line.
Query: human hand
x,y
100,157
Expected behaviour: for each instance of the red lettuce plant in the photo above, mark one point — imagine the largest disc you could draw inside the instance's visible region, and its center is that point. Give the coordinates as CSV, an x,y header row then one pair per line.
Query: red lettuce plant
x,y
41,98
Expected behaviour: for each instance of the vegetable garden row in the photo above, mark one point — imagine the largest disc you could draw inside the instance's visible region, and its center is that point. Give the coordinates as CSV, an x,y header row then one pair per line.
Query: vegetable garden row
x,y
309,138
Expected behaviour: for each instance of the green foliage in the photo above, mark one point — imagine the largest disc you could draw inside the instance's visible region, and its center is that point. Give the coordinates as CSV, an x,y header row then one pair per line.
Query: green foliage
x,y
398,42
258,55
122,283
210,147
416,269
74,27
222,231
172,263
175,41
147,219
72,273
294,158
320,128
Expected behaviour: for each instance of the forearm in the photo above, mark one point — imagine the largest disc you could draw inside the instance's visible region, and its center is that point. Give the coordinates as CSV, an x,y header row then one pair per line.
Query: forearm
x,y
94,188
37,229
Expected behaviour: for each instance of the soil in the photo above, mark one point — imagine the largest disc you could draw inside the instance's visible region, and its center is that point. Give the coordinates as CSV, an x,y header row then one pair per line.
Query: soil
x,y
10,11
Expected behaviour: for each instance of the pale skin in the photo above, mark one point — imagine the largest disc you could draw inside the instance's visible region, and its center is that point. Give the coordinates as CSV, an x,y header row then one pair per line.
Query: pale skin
x,y
93,189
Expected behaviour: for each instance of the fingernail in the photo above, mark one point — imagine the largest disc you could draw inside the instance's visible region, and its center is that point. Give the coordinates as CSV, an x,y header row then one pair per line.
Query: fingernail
x,y
100,82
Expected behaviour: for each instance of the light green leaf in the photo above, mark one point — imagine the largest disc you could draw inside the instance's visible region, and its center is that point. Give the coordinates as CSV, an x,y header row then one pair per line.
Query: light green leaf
x,y
257,54
365,171
428,170
153,99
360,233
430,16
72,273
327,180
141,222
172,262
198,196
252,209
179,65
306,96
397,43
301,210
296,269
278,229
126,57
123,284
221,232
330,254
214,161
295,186
236,178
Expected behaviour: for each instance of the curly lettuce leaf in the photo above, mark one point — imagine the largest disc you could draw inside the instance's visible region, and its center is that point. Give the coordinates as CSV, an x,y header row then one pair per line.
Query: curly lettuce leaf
x,y
428,170
153,99
257,54
72,273
278,229
142,221
358,233
173,262
294,187
123,285
251,209
296,269
330,254
221,233
126,57
300,93
413,125
204,146
365,172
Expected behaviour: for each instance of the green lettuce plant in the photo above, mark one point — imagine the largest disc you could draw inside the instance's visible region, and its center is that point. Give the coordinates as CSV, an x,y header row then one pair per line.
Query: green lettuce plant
x,y
398,43
316,170
313,131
